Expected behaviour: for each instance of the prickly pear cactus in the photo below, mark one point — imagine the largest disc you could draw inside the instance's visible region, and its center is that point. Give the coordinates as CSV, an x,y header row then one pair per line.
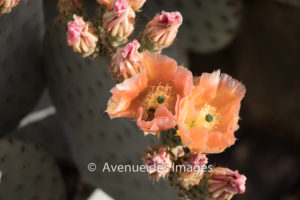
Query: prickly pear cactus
x,y
21,79
48,134
28,173
208,26
80,90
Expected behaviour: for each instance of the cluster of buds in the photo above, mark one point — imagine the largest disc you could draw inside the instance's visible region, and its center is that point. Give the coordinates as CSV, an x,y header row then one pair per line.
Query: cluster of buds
x,y
82,36
118,21
192,169
67,8
126,62
7,5
161,31
223,183
158,161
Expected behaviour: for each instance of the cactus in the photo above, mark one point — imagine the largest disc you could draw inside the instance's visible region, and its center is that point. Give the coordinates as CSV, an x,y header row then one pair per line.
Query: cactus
x,y
28,172
153,89
80,90
46,133
21,78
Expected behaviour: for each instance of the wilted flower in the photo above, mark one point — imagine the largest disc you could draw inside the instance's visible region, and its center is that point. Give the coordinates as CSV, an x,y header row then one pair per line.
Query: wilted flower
x,y
152,96
135,4
209,116
222,183
119,21
7,5
162,30
82,36
192,167
158,161
127,61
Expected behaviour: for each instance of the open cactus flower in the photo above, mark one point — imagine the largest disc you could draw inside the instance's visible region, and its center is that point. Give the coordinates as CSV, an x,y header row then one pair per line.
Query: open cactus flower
x,y
192,116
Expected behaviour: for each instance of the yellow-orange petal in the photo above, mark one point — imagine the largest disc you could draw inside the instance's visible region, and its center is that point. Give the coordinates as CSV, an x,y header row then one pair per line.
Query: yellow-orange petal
x,y
229,90
208,85
160,68
183,81
124,93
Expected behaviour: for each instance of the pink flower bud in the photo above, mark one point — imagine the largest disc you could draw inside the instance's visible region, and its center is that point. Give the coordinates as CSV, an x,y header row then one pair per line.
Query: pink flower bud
x,y
119,21
193,166
163,28
121,5
127,61
7,5
223,183
158,161
82,36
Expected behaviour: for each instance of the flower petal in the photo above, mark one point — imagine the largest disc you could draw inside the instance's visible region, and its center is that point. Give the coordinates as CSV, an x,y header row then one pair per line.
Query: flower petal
x,y
124,93
163,120
183,81
160,68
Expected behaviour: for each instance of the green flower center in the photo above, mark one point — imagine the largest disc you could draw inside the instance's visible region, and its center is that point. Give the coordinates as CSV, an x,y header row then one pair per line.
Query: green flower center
x,y
160,99
209,118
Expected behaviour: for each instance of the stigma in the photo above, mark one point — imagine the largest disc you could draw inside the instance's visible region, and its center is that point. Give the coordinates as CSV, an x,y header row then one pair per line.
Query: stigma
x,y
207,117
158,95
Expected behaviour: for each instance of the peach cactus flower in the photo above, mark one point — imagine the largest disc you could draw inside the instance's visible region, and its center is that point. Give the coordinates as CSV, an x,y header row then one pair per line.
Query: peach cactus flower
x,y
223,183
152,96
7,5
82,36
135,4
119,21
209,116
163,28
127,61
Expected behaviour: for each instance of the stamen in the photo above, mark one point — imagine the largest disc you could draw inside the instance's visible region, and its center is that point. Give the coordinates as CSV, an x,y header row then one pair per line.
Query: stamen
x,y
159,95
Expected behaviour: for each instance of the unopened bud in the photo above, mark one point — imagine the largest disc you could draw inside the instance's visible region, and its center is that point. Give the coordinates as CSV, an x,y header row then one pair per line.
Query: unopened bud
x,y
223,183
158,161
192,169
161,31
127,61
119,21
7,5
82,36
